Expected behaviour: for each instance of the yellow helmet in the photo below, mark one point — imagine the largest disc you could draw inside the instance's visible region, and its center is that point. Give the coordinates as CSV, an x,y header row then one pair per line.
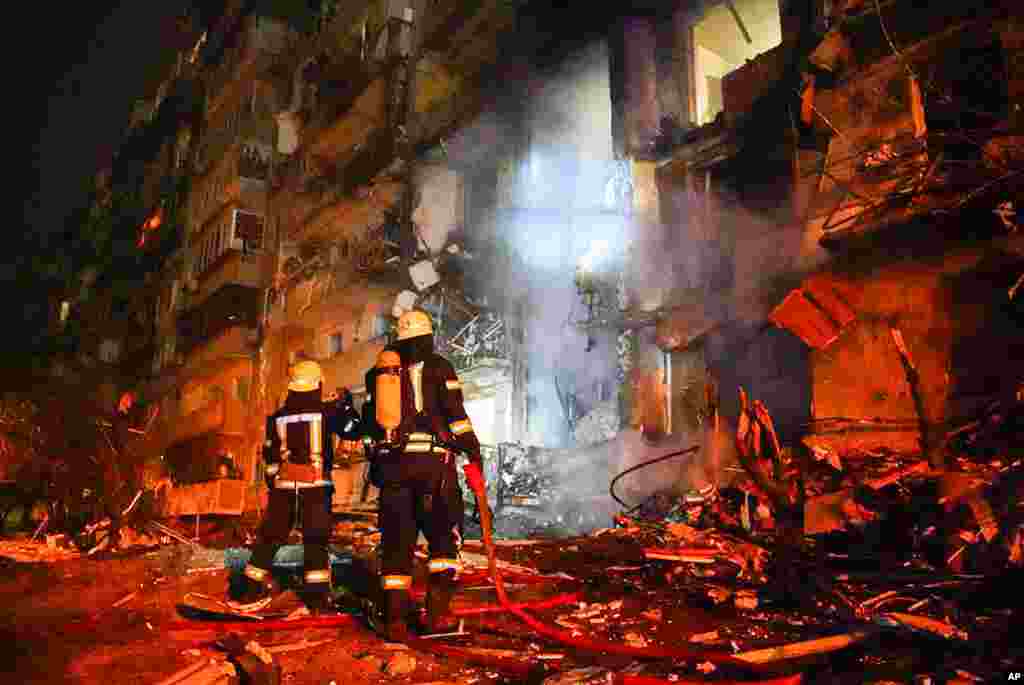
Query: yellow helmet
x,y
413,324
305,376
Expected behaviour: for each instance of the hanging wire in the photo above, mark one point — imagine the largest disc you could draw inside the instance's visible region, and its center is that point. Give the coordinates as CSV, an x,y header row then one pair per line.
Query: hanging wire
x,y
611,486
892,44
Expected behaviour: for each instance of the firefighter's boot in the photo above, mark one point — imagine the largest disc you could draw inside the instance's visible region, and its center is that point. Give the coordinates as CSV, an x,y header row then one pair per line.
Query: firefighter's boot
x,y
440,589
253,591
395,610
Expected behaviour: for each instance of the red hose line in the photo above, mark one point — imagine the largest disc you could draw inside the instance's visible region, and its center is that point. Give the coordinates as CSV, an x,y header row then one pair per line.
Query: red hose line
x,y
505,665
517,577
582,642
346,619
557,600
273,624
624,679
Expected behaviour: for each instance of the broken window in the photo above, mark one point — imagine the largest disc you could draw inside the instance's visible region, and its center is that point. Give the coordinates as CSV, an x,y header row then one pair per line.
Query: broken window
x,y
729,34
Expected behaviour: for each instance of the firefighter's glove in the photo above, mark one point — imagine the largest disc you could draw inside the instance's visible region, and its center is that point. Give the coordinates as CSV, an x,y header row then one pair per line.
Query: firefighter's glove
x,y
474,477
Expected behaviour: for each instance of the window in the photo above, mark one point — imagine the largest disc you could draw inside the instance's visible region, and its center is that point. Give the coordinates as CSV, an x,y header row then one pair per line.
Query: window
x,y
729,34
334,344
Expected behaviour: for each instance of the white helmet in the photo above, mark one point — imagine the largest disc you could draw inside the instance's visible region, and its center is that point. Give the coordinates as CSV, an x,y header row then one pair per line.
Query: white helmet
x,y
413,324
305,376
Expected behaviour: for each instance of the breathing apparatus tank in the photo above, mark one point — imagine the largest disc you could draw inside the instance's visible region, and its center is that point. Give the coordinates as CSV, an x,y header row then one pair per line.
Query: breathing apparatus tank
x,y
388,394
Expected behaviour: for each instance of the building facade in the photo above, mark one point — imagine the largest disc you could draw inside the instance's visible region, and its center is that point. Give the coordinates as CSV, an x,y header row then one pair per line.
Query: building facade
x,y
615,220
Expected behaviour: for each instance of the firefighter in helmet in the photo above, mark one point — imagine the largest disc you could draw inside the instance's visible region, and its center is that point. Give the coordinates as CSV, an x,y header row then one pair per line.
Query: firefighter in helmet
x,y
299,456
417,422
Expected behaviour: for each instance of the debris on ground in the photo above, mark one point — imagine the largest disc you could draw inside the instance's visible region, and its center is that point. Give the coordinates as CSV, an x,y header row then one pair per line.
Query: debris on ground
x,y
888,552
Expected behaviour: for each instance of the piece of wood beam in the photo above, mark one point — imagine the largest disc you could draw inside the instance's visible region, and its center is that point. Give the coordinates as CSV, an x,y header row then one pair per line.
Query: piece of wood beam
x,y
795,650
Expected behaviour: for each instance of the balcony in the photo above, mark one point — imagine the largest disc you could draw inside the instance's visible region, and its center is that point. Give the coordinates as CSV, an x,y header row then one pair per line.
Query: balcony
x,y
233,268
222,327
223,416
239,181
222,496
225,347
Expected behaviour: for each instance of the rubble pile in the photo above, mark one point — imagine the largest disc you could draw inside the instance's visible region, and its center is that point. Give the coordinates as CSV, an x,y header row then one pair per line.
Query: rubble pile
x,y
903,568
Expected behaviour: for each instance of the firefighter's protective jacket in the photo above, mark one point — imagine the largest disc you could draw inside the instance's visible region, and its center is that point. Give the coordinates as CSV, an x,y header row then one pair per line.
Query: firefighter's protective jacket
x,y
433,413
299,449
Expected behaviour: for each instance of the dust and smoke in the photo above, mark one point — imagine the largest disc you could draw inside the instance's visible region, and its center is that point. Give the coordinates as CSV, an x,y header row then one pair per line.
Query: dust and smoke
x,y
561,201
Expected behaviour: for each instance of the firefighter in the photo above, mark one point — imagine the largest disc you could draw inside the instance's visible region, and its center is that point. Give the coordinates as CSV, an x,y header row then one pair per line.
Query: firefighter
x,y
416,418
299,455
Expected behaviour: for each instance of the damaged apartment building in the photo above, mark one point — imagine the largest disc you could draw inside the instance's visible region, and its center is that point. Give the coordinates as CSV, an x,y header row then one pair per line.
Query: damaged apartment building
x,y
616,221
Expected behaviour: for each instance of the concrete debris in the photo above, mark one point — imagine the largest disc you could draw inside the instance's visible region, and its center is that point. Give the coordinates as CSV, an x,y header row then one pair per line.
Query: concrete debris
x,y
400,664
36,552
745,599
634,639
210,672
599,425
704,638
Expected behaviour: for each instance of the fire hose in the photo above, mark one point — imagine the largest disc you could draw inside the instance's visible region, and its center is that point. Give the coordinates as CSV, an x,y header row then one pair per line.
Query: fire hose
x,y
590,644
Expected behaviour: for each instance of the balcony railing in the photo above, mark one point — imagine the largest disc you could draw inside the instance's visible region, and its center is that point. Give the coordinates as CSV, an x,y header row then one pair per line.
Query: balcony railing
x,y
240,179
236,342
222,326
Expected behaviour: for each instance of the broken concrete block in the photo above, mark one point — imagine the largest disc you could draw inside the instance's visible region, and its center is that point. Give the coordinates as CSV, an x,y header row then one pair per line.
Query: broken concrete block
x,y
405,301
423,274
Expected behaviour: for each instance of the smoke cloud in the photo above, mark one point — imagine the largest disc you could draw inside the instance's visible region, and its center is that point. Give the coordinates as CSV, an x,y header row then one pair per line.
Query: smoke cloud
x,y
556,195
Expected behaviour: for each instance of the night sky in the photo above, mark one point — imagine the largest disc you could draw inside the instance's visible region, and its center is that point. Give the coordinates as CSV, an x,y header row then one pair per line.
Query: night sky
x,y
75,81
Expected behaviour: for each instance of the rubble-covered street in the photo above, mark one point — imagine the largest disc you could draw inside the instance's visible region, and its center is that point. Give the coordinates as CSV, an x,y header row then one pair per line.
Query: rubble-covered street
x,y
669,341
680,589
